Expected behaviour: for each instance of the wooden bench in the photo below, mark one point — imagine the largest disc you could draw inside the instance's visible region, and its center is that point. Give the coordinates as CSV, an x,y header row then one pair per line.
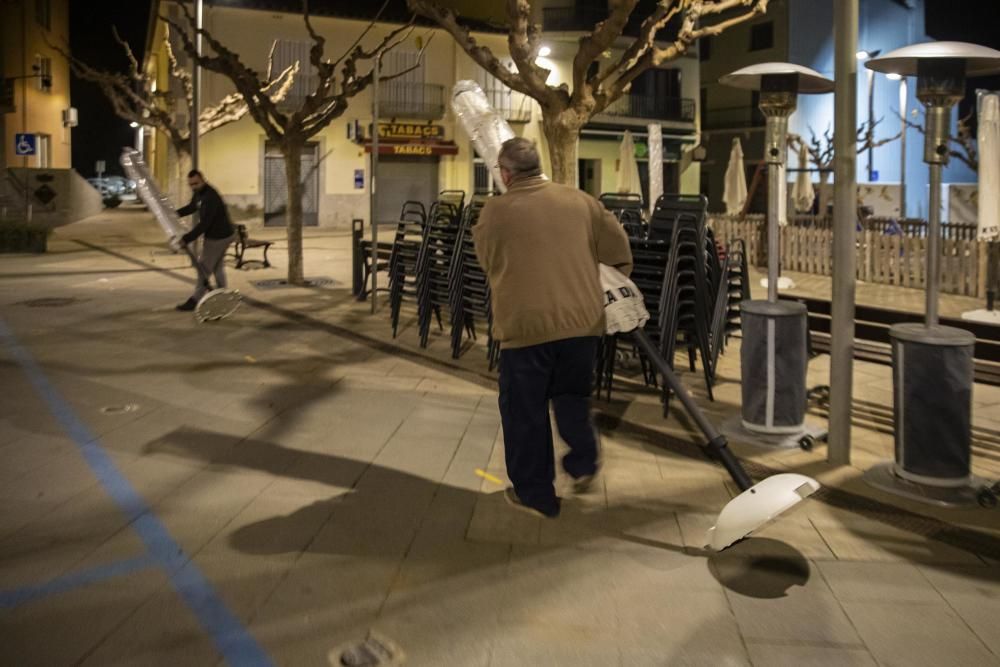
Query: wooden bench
x,y
243,243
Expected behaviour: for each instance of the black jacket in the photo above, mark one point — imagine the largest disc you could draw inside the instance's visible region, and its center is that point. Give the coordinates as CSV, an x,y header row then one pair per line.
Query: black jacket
x,y
213,218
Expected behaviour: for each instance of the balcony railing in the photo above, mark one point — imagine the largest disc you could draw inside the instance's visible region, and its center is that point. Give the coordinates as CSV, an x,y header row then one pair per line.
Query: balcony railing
x,y
731,117
588,13
411,100
653,107
514,107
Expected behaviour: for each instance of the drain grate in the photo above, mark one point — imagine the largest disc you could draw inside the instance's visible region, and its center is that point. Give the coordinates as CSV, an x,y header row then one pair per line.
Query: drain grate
x,y
50,302
373,651
281,283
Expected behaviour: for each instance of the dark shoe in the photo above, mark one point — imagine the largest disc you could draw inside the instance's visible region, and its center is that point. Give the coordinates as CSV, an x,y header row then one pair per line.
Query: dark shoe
x,y
548,513
583,483
187,305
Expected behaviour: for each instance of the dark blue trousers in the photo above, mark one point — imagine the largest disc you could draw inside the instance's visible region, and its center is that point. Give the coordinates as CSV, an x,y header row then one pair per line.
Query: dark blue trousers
x,y
560,372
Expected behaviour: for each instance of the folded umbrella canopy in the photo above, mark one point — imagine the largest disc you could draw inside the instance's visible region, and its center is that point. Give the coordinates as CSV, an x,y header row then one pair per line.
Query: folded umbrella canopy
x,y
734,195
989,167
803,193
628,168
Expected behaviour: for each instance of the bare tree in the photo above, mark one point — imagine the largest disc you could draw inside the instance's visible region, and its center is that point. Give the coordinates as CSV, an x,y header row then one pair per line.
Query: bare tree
x,y
135,99
565,111
290,129
821,152
964,147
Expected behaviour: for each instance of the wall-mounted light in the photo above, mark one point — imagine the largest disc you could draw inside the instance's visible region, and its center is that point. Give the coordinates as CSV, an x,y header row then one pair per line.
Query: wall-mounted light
x,y
544,52
133,124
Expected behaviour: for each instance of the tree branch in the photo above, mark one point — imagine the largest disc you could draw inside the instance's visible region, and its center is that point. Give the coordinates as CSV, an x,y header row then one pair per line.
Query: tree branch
x,y
691,30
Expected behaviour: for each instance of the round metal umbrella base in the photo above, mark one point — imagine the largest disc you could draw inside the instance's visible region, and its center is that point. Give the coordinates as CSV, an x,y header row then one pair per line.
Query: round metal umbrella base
x,y
884,477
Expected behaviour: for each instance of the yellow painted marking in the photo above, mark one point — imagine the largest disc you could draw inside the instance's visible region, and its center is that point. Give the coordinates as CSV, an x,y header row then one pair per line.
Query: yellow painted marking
x,y
485,475
250,359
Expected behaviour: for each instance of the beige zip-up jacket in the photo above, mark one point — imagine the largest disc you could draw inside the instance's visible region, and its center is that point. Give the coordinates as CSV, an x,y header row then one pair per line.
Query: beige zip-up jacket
x,y
540,244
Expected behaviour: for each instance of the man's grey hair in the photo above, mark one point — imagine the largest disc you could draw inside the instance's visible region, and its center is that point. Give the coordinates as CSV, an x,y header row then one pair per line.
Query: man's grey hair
x,y
520,157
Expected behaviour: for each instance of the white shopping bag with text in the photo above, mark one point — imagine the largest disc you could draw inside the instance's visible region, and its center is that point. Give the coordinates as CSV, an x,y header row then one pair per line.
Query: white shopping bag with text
x,y
624,309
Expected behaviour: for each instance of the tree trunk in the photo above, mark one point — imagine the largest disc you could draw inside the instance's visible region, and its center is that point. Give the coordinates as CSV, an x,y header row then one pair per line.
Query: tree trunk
x,y
293,213
563,134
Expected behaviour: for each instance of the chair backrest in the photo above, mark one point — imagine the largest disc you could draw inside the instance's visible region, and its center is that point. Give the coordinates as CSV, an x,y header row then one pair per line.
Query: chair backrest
x,y
671,208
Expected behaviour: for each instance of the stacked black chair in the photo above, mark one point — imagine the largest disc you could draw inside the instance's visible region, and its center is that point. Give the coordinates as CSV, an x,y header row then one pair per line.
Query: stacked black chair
x,y
677,270
471,291
404,259
686,299
628,208
649,268
732,288
437,250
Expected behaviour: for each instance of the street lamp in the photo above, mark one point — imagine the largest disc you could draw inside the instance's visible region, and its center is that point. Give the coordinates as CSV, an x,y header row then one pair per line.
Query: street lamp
x,y
932,364
774,352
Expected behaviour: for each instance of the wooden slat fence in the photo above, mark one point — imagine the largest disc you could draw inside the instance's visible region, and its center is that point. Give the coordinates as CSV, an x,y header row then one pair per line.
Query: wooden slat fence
x,y
885,256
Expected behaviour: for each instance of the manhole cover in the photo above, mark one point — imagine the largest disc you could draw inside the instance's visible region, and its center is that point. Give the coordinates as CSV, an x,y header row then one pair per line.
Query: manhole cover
x,y
373,651
120,409
281,283
49,302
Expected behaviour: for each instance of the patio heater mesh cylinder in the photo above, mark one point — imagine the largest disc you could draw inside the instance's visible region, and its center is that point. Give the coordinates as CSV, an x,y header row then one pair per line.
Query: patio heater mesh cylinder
x,y
932,403
773,359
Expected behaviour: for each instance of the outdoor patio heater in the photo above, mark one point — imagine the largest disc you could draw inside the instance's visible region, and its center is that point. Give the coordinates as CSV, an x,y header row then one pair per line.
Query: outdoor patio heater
x,y
774,352
932,364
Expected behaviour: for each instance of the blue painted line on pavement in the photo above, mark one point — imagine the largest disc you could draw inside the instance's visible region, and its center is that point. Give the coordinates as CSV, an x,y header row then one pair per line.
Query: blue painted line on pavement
x,y
230,636
18,596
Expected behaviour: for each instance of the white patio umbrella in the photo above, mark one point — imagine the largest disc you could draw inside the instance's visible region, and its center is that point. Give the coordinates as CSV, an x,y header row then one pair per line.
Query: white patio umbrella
x,y
803,193
734,194
628,168
989,195
989,167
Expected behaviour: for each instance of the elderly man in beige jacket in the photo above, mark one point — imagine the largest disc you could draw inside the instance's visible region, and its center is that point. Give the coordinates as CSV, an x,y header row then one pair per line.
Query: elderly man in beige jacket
x,y
540,244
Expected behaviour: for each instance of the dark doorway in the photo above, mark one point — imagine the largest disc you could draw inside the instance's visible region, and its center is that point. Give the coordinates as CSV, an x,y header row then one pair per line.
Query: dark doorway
x,y
276,185
401,179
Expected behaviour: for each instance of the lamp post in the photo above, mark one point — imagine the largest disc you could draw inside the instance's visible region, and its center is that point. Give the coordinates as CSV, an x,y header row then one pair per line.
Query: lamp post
x,y
774,354
932,364
372,205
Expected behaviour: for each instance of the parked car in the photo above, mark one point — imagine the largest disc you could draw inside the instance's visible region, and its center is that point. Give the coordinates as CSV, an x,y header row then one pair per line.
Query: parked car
x,y
113,185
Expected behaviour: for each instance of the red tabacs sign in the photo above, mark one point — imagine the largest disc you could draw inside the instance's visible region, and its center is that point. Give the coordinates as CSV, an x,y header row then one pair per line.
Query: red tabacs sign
x,y
415,149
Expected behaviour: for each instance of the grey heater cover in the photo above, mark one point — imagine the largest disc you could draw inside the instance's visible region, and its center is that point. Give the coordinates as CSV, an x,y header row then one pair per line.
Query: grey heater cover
x,y
932,403
773,358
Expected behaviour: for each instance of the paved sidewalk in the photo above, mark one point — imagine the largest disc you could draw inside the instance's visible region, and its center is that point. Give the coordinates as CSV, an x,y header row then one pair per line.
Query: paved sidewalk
x,y
300,479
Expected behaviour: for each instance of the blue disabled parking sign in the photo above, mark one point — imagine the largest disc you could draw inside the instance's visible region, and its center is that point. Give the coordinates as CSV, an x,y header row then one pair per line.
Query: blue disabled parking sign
x,y
24,144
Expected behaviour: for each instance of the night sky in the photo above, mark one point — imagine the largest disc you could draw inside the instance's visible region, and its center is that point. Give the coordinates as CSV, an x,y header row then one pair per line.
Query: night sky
x,y
101,134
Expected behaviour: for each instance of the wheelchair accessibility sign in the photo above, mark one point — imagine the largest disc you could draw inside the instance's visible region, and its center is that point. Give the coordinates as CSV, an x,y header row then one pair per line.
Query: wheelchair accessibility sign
x,y
24,144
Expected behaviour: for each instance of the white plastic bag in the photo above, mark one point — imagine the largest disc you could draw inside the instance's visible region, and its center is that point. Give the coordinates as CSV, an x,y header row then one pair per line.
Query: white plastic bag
x,y
624,309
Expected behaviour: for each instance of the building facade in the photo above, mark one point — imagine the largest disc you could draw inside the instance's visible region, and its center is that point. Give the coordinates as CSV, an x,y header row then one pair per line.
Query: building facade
x,y
423,149
34,98
801,32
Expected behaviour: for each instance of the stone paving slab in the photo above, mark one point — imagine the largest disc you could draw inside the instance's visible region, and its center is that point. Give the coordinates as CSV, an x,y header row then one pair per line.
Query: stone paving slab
x,y
328,480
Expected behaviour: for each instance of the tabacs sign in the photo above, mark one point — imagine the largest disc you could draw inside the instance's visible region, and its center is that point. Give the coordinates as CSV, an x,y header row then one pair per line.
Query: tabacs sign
x,y
410,131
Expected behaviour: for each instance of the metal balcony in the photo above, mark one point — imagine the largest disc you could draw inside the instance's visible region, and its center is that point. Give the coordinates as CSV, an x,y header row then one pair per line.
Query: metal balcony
x,y
514,107
400,99
655,108
732,117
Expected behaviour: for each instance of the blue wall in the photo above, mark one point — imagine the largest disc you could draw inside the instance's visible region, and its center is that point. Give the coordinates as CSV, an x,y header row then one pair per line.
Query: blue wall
x,y
885,25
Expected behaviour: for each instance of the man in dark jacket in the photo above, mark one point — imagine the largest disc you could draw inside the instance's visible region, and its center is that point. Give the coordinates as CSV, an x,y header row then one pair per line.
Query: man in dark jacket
x,y
213,222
